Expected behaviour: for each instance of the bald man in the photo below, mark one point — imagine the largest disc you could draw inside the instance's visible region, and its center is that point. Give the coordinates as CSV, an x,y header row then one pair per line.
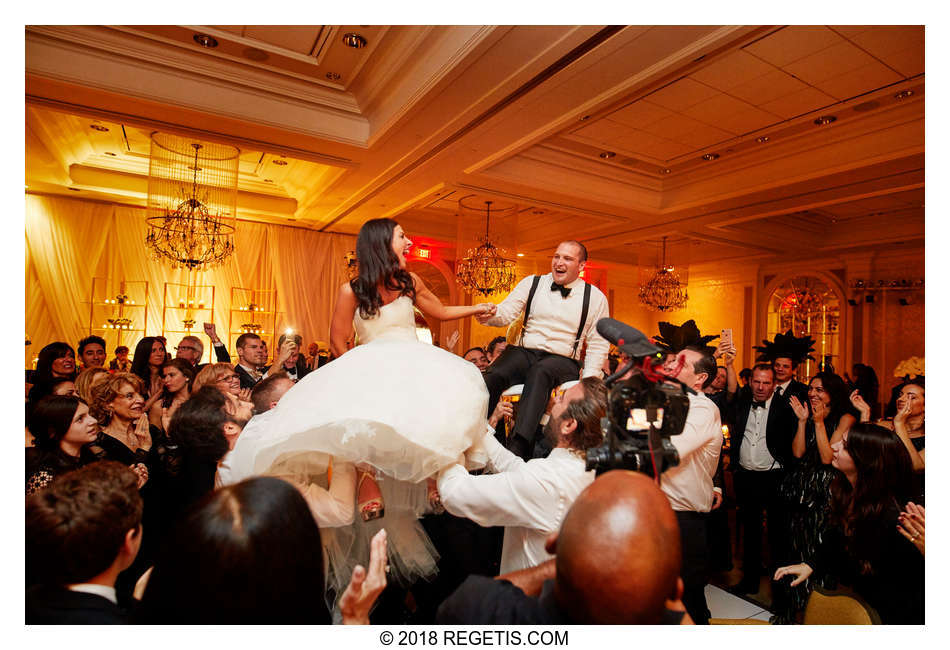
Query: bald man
x,y
617,562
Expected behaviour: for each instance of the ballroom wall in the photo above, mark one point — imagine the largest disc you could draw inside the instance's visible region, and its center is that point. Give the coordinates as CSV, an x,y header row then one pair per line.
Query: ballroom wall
x,y
68,242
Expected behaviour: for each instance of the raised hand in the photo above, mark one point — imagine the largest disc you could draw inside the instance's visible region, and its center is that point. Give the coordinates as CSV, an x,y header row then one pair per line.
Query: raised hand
x,y
211,332
245,395
901,416
863,408
910,524
801,411
502,410
365,587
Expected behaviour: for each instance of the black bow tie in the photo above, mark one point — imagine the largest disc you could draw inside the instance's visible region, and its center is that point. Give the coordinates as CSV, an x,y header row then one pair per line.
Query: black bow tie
x,y
758,405
565,291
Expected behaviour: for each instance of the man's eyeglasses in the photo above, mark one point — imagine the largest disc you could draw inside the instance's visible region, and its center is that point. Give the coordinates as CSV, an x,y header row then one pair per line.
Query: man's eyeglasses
x,y
186,347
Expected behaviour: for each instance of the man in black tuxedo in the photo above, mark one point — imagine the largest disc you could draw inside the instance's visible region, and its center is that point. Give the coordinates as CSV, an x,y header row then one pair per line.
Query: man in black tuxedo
x,y
762,434
82,530
251,354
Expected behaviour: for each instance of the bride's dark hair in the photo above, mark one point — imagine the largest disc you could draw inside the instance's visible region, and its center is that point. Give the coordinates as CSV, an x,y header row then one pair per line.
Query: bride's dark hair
x,y
378,263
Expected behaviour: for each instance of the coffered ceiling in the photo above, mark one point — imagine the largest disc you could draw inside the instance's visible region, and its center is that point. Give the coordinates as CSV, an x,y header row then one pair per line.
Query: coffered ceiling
x,y
749,141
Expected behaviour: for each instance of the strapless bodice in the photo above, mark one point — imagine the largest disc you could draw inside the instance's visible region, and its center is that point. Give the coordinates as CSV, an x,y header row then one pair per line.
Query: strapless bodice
x,y
395,321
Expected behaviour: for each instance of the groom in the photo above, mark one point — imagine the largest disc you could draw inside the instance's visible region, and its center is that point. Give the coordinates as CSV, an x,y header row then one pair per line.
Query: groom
x,y
560,314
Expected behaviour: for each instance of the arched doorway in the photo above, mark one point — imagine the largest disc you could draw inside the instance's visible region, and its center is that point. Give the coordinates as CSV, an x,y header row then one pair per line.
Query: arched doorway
x,y
809,305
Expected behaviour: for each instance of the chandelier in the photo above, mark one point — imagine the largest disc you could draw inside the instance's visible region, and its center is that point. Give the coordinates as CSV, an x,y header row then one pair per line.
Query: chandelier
x,y
664,291
192,200
485,269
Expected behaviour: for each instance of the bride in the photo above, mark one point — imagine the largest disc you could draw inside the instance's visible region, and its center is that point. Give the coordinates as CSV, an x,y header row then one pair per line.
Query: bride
x,y
400,409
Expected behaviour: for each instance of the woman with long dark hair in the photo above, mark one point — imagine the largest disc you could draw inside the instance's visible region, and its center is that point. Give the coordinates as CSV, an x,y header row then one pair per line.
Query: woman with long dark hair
x,y
821,420
249,554
177,378
402,408
863,545
63,430
147,365
55,361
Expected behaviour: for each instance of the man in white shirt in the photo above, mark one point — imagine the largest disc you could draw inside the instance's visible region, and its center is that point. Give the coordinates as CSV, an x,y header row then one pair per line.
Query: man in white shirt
x,y
531,498
761,446
555,329
689,485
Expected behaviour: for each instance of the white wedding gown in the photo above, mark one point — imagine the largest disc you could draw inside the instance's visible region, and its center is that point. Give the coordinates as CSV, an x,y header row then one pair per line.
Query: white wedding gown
x,y
405,407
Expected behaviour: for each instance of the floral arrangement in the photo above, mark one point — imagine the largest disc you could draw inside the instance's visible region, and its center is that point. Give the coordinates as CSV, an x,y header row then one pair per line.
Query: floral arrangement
x,y
912,367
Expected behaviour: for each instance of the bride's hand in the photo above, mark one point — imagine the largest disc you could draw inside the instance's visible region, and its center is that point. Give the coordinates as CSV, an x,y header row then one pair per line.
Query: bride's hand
x,y
365,587
488,310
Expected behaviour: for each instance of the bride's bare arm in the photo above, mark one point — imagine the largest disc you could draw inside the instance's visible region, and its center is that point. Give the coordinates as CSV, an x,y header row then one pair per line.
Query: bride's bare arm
x,y
341,326
430,305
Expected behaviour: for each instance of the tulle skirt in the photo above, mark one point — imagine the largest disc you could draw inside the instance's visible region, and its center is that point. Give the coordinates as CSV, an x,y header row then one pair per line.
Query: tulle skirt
x,y
407,408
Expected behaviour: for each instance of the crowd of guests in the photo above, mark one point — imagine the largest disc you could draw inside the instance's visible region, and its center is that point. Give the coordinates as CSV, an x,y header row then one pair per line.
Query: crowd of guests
x,y
124,466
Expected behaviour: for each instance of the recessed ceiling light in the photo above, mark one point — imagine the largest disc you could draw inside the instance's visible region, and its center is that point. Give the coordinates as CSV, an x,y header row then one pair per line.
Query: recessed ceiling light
x,y
904,94
762,139
520,254
667,170
825,119
73,189
584,118
279,161
267,180
99,127
205,41
109,153
354,40
710,156
607,154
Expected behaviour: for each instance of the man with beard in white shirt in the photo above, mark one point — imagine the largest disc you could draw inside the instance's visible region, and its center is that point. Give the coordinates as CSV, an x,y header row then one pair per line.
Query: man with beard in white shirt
x,y
531,498
560,311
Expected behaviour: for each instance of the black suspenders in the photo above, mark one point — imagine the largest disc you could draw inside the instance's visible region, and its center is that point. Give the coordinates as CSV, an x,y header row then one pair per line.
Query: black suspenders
x,y
584,310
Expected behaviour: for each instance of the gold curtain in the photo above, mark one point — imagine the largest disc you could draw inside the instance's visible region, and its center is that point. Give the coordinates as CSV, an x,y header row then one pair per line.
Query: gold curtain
x,y
68,242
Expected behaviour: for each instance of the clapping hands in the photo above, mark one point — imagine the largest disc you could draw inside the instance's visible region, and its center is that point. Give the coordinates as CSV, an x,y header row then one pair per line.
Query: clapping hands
x,y
910,524
801,411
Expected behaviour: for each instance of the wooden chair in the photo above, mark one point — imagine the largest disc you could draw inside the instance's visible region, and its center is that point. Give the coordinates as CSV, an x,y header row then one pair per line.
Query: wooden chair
x,y
830,608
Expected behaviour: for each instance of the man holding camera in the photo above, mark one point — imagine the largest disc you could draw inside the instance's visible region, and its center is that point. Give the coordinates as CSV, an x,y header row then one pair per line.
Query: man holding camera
x,y
689,485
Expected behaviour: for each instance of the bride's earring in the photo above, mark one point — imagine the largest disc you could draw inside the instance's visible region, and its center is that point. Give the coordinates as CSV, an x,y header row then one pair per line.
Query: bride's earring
x,y
369,498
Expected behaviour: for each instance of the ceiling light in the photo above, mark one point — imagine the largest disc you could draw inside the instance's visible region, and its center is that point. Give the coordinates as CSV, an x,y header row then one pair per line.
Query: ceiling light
x,y
825,119
762,139
607,154
99,127
279,161
904,94
73,189
109,153
710,156
584,118
205,41
354,40
666,171
520,254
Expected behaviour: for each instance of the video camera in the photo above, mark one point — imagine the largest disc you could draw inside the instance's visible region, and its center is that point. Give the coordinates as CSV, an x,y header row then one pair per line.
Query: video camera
x,y
643,412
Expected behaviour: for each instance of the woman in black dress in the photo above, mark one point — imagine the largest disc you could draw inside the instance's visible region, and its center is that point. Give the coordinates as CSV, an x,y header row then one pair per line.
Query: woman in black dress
x,y
63,430
863,544
147,365
825,416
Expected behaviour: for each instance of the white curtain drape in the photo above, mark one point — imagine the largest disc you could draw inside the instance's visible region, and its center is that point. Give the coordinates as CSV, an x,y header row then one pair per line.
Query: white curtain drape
x,y
69,242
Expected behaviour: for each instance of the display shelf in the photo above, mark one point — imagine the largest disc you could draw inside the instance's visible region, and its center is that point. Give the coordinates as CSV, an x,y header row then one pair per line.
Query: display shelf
x,y
253,311
118,310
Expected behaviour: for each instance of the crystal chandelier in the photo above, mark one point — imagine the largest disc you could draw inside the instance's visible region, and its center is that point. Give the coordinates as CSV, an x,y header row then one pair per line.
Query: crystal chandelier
x,y
664,291
485,270
192,200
